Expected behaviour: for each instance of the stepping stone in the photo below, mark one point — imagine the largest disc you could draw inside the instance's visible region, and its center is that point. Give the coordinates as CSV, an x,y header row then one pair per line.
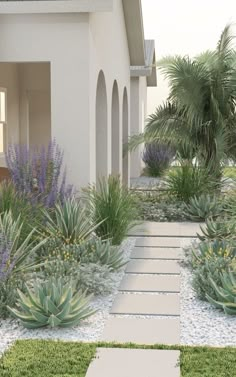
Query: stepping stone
x,y
142,331
159,242
156,253
153,267
147,304
183,229
150,283
117,362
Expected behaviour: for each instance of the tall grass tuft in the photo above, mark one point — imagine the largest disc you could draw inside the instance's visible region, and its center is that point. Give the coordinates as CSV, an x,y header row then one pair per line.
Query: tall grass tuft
x,y
114,206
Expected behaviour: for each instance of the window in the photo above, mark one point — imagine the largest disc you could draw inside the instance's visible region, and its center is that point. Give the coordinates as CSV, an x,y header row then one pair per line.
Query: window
x,y
3,119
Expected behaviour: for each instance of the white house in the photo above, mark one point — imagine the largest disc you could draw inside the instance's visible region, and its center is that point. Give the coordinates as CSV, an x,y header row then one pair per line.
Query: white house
x,y
76,71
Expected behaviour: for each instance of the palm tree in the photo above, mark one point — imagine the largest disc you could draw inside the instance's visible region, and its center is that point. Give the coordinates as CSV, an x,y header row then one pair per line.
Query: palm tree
x,y
199,118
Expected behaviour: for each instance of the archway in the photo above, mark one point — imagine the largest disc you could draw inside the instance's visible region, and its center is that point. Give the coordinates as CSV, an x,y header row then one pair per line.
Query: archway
x,y
115,132
101,128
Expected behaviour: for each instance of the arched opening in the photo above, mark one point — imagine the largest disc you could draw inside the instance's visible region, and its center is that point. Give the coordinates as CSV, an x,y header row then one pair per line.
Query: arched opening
x,y
115,132
125,127
101,128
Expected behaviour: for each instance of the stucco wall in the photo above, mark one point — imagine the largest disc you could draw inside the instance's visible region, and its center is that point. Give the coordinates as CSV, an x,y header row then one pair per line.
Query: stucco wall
x,y
108,52
138,116
62,40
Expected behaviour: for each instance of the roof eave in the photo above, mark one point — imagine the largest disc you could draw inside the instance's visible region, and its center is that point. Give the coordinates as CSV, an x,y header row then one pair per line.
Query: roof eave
x,y
135,32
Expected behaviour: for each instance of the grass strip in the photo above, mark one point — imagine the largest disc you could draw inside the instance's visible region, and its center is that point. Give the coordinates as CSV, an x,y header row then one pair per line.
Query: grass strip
x,y
42,358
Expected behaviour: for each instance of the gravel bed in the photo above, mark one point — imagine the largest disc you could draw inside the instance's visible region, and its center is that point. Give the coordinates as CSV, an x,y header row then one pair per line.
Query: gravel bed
x,y
146,182
89,330
201,323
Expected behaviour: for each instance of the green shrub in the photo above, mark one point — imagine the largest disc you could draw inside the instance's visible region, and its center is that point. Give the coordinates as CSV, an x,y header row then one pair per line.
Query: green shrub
x,y
203,207
53,303
114,207
213,250
188,181
69,222
225,292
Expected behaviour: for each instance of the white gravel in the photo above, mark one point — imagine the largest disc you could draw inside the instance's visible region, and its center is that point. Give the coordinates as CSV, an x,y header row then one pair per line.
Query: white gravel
x,y
201,323
89,330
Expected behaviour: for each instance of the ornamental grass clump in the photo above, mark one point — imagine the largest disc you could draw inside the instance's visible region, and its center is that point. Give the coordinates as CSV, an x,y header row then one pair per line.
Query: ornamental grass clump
x,y
157,158
52,303
113,207
38,173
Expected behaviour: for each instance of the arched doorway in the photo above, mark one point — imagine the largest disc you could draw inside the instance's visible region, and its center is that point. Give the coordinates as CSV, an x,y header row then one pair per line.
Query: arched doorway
x,y
125,127
115,132
101,128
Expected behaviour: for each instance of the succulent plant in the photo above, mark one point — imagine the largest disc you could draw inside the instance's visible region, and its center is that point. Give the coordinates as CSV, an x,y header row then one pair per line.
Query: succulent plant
x,y
219,230
203,207
53,303
102,252
226,294
214,249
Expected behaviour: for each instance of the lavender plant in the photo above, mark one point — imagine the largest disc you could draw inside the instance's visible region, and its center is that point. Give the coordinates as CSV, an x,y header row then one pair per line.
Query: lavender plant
x,y
157,158
38,173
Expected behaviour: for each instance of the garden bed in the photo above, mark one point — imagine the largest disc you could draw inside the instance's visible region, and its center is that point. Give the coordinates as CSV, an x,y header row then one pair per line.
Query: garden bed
x,y
89,330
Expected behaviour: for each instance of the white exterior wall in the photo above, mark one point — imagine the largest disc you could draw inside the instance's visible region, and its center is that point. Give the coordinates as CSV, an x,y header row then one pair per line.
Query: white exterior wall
x,y
62,40
108,52
138,101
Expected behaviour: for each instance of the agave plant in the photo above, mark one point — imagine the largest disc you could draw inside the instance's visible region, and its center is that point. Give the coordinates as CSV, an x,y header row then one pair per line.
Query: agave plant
x,y
52,304
203,207
214,249
69,222
226,294
102,252
219,230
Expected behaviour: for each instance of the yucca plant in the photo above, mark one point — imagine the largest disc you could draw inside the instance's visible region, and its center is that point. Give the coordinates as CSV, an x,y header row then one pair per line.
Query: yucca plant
x,y
102,252
14,254
226,293
69,222
203,207
52,304
114,207
217,230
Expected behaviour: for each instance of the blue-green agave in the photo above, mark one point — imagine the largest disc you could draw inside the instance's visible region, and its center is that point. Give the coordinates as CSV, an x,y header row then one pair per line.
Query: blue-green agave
x,y
52,304
226,295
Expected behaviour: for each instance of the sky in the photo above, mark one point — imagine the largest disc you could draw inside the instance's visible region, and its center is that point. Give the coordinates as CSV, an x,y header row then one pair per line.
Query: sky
x,y
185,27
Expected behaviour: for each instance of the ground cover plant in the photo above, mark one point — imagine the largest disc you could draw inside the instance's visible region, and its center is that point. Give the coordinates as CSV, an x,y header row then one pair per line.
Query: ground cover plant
x,y
45,358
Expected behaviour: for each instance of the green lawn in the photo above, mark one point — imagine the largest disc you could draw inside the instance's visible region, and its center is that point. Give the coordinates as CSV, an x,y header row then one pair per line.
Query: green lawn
x,y
34,358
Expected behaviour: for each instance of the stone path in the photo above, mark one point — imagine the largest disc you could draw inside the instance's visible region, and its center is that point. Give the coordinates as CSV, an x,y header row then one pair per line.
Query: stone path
x,y
147,308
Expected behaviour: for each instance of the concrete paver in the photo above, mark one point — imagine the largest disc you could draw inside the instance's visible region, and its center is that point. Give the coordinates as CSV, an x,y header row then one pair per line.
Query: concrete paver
x,y
183,229
159,242
153,266
150,283
147,304
142,331
116,362
156,253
